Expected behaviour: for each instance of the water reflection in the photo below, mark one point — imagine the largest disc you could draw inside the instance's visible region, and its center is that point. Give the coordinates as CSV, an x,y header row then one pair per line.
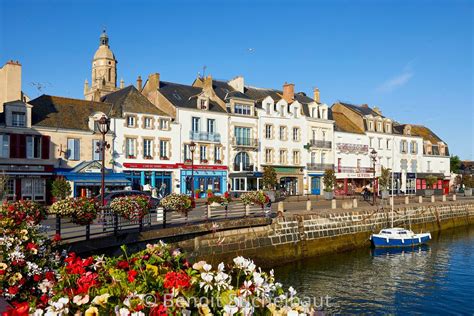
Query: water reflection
x,y
426,279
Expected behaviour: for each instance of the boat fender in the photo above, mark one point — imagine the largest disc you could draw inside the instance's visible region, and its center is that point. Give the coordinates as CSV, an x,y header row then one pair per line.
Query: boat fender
x,y
429,235
403,241
419,240
387,240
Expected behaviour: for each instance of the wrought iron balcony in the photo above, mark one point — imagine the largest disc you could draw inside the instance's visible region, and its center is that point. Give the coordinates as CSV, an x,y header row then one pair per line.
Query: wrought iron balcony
x,y
320,166
320,143
243,168
205,136
245,142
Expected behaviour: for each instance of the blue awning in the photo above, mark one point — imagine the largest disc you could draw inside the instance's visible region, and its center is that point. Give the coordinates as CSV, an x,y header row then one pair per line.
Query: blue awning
x,y
108,182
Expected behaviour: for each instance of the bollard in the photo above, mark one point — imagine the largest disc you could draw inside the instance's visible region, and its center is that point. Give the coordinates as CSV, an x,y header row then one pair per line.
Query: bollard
x,y
407,200
280,207
58,225
308,205
116,224
432,199
226,210
333,204
444,198
88,231
420,199
391,201
208,211
454,197
247,210
354,203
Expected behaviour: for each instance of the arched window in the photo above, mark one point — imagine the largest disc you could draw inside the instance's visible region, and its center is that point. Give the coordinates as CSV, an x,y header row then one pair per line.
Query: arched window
x,y
242,162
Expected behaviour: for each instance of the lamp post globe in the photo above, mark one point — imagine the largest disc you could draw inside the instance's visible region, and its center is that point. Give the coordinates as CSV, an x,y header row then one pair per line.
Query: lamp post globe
x,y
192,148
103,125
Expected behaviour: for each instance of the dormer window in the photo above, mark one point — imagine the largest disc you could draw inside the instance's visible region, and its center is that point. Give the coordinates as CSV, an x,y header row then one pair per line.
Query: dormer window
x,y
164,124
314,113
18,119
130,121
379,127
267,108
242,109
387,128
323,113
371,126
203,104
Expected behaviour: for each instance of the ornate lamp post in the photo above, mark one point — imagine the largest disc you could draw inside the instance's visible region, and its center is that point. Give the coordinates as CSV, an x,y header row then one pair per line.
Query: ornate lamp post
x,y
373,156
192,148
103,125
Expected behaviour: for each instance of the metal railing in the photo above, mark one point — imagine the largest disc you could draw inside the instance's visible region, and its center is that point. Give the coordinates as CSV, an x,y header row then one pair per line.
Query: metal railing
x,y
244,142
205,136
320,143
320,166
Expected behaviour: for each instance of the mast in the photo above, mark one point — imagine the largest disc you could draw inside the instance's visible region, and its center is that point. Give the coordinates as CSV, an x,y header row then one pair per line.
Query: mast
x,y
393,165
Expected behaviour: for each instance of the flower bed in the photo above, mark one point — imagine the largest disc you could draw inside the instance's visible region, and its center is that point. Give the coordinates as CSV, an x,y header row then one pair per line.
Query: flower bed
x,y
83,211
27,258
132,208
180,203
254,197
222,200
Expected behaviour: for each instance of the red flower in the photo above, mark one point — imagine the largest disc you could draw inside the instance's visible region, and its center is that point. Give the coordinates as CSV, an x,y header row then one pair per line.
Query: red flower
x,y
131,275
36,277
44,299
13,290
177,280
158,311
49,276
123,265
57,238
31,246
85,282
2,272
19,309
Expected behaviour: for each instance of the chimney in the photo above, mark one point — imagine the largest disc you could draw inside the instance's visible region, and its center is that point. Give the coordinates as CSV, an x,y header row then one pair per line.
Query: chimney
x,y
377,110
289,92
86,86
316,95
237,83
153,82
139,83
365,105
122,83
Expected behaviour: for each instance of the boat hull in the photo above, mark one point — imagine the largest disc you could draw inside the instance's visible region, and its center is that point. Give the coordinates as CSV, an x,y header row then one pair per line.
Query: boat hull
x,y
384,241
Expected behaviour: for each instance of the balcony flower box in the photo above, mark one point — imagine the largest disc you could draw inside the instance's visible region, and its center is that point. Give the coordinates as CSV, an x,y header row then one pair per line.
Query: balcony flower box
x,y
204,161
131,157
148,157
218,162
187,161
164,158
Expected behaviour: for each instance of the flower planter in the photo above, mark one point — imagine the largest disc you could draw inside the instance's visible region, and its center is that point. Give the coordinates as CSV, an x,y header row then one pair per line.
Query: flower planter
x,y
429,192
328,195
215,204
468,192
384,194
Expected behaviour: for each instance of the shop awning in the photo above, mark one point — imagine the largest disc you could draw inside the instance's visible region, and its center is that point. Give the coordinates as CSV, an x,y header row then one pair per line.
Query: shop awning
x,y
108,182
290,170
423,175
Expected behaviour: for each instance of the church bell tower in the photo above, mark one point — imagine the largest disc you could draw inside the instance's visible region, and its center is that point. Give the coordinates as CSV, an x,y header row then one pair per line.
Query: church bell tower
x,y
104,71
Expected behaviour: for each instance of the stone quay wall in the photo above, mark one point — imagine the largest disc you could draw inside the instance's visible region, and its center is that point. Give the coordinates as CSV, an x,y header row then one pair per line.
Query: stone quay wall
x,y
294,237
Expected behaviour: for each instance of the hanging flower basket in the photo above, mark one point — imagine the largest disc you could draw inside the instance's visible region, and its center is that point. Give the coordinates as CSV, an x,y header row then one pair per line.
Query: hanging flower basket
x,y
254,197
180,203
132,208
82,211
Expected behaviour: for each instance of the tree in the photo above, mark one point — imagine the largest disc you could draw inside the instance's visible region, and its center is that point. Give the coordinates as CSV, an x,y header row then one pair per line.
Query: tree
x,y
430,181
384,179
269,178
455,164
329,180
3,185
60,188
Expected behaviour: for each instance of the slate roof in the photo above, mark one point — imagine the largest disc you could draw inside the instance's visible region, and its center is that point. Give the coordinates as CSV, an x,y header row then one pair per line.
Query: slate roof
x,y
60,112
129,99
258,94
184,96
361,109
426,133
343,124
225,91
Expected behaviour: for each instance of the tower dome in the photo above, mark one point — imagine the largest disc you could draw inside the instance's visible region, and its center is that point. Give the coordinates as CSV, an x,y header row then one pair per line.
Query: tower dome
x,y
104,50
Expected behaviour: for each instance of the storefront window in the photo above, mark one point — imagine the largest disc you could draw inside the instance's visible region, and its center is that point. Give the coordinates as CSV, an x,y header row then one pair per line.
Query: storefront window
x,y
239,184
217,184
242,162
33,189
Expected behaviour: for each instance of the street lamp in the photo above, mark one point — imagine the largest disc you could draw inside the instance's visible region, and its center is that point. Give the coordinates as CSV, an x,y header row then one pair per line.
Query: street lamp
x,y
192,148
103,125
373,156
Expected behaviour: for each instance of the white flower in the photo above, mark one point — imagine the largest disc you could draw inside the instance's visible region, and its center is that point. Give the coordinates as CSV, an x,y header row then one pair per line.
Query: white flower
x,y
207,267
220,267
230,310
138,314
123,312
246,291
38,312
58,308
101,299
80,300
206,282
292,291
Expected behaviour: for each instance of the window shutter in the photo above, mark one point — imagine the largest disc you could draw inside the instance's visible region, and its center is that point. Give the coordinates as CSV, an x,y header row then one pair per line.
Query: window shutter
x,y
45,141
21,146
77,149
13,145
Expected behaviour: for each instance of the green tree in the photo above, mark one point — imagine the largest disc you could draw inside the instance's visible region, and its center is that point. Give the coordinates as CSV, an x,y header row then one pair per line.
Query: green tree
x,y
329,180
269,178
430,181
384,179
60,188
3,185
455,164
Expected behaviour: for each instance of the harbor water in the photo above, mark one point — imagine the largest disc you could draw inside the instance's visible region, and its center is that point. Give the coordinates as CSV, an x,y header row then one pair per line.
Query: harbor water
x,y
434,279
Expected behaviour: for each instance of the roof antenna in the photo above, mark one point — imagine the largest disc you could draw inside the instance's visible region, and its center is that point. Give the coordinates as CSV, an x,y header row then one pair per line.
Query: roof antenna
x,y
204,71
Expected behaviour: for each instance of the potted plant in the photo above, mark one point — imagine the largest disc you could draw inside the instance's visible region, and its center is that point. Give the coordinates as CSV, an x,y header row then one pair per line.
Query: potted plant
x,y
204,161
468,183
132,208
180,203
197,193
209,193
384,182
430,181
329,180
60,189
215,200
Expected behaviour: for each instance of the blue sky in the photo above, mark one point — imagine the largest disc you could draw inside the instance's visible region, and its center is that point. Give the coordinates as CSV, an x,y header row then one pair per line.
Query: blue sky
x,y
413,59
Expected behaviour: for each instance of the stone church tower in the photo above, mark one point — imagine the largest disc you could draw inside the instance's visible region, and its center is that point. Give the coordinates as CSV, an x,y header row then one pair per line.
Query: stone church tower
x,y
104,72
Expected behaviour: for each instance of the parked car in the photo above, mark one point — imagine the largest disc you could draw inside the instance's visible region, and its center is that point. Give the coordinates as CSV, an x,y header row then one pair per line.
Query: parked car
x,y
110,196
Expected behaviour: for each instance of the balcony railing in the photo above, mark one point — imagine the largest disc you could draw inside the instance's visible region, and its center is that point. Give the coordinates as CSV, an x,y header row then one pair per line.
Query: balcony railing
x,y
245,142
354,170
243,168
205,136
320,143
320,166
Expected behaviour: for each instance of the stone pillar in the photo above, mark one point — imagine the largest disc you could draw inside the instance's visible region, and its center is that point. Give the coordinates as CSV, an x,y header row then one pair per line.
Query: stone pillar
x,y
432,199
247,210
392,200
280,207
354,203
454,197
209,211
420,199
308,205
444,198
407,200
333,204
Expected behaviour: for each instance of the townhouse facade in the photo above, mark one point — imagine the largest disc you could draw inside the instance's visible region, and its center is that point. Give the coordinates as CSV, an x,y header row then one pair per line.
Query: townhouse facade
x,y
236,130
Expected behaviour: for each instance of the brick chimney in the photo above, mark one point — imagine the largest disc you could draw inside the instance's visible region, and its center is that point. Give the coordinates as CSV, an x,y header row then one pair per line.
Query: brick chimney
x,y
153,82
316,95
289,92
139,83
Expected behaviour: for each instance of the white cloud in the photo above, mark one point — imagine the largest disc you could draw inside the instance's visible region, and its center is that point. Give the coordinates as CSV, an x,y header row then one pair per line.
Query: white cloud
x,y
397,81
